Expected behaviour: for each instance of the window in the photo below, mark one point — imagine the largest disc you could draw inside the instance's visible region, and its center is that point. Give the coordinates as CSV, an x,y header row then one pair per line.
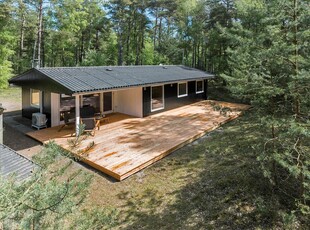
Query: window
x,y
67,102
35,97
182,89
92,100
157,98
67,107
199,87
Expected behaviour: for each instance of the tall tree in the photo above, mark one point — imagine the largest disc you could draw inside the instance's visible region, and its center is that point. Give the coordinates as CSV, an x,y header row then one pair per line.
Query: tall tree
x,y
6,41
270,68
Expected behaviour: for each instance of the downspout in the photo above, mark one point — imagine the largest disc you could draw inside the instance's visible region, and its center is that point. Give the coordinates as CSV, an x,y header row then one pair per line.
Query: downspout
x,y
41,101
1,123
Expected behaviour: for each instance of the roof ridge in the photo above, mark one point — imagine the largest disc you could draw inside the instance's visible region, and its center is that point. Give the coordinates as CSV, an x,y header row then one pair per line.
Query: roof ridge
x,y
108,66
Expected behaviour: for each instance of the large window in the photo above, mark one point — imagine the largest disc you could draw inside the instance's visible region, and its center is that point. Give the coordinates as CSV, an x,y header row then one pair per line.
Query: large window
x,y
199,87
67,102
67,107
182,89
35,97
157,98
92,100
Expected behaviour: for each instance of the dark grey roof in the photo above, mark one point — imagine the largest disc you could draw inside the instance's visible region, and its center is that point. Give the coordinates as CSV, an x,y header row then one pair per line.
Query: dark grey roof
x,y
84,79
12,163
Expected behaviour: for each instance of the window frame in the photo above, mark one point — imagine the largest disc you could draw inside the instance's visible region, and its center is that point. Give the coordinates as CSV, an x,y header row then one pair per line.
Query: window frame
x,y
203,86
163,97
182,95
31,97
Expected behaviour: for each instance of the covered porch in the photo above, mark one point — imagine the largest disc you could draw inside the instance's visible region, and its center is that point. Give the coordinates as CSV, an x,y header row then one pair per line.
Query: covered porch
x,y
128,144
86,105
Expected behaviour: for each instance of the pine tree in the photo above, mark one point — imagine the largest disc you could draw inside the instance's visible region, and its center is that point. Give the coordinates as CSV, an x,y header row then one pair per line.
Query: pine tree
x,y
51,198
6,40
270,69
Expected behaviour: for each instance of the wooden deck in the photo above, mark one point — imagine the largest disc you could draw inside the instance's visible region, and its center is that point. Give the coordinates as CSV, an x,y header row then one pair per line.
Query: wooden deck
x,y
126,144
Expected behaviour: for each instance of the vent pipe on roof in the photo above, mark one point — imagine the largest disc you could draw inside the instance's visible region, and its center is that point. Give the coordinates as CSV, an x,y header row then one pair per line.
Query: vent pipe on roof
x,y
1,123
35,63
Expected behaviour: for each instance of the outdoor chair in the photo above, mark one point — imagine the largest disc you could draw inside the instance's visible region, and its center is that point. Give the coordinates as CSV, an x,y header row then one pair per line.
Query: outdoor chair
x,y
67,119
90,125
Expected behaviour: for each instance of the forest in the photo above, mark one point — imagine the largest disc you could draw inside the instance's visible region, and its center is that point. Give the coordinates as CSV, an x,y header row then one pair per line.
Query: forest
x,y
259,51
116,32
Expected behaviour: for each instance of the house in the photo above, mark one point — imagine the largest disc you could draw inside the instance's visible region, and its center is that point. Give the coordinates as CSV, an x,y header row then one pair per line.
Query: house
x,y
134,90
12,163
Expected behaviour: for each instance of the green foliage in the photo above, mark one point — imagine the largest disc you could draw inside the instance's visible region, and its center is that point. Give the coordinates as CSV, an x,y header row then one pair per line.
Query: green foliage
x,y
270,69
96,218
6,43
47,197
76,141
127,32
94,58
48,155
51,198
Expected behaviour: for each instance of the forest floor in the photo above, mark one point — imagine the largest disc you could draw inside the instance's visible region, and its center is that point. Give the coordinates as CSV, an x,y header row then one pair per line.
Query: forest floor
x,y
214,183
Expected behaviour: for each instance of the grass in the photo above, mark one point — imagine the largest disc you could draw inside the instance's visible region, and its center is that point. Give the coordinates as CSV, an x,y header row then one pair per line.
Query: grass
x,y
215,182
11,98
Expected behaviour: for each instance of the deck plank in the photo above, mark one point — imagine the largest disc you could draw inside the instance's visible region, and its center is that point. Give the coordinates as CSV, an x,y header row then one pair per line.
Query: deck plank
x,y
126,144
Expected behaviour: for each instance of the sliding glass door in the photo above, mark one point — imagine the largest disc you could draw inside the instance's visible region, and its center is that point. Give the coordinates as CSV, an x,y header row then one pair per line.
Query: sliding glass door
x,y
157,98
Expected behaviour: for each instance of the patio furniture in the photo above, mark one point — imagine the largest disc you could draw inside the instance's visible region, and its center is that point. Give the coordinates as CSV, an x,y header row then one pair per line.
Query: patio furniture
x,y
87,111
101,118
68,119
90,125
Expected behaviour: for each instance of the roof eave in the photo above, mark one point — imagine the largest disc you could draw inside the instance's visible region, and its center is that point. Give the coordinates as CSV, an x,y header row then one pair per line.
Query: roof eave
x,y
141,85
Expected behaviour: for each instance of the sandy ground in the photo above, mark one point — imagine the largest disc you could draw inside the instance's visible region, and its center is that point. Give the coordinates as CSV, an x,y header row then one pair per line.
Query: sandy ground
x,y
18,141
15,128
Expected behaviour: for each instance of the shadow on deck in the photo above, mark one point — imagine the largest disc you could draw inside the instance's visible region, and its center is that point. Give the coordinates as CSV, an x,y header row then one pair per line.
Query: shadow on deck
x,y
126,144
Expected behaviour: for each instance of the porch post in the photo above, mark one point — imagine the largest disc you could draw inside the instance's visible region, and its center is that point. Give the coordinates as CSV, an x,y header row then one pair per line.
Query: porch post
x,y
41,101
81,99
77,114
1,123
101,102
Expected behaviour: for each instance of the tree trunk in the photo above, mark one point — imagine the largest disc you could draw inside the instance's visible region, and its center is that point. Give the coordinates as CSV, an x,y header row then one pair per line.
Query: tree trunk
x,y
40,31
155,30
120,50
81,49
159,31
43,45
21,42
274,166
295,18
130,32
97,40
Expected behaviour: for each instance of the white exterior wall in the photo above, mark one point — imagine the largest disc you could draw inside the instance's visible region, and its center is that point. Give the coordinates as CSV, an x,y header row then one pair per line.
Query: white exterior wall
x,y
129,101
55,107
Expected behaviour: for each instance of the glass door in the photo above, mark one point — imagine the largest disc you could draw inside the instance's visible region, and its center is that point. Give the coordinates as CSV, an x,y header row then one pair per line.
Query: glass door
x,y
107,102
157,98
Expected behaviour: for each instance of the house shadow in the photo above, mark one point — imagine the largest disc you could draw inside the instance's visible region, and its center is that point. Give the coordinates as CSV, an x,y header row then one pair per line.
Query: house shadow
x,y
15,126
